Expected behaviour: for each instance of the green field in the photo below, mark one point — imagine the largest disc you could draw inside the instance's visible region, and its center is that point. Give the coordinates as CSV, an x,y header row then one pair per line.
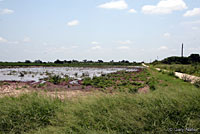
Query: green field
x,y
173,104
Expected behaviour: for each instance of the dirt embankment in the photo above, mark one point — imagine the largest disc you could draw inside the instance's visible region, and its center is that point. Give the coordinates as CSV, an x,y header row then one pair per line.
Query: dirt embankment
x,y
62,90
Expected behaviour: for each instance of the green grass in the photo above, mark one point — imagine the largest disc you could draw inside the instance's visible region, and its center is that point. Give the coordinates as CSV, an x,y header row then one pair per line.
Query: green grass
x,y
188,69
174,104
27,112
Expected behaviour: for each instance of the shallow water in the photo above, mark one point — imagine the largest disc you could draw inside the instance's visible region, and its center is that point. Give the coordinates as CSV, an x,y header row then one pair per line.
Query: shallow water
x,y
37,73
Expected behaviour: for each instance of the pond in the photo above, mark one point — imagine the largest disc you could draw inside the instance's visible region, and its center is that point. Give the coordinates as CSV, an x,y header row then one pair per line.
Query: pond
x,y
38,73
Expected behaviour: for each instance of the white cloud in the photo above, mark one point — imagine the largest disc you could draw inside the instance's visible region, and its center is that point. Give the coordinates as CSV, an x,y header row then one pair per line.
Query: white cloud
x,y
96,47
27,39
163,48
56,49
164,7
196,22
123,48
132,11
125,42
95,43
13,42
120,4
45,43
193,12
195,49
195,28
73,47
2,40
167,35
73,23
6,11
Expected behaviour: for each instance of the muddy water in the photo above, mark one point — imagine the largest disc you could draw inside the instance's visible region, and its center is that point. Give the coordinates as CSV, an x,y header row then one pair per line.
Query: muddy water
x,y
37,73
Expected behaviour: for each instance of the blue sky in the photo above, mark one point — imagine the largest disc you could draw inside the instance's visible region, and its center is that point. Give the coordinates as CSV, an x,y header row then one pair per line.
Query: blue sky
x,y
135,30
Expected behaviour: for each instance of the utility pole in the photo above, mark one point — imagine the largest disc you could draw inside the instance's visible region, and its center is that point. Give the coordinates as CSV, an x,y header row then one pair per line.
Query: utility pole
x,y
182,50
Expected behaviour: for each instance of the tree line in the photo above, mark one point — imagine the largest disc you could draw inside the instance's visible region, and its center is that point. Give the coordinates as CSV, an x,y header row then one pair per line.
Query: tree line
x,y
192,59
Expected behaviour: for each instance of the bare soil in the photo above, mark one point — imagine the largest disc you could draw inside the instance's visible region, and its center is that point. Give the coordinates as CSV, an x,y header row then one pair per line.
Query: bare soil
x,y
15,88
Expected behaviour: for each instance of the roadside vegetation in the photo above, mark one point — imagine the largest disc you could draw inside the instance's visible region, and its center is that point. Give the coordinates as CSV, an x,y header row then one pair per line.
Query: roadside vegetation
x,y
188,65
193,69
172,104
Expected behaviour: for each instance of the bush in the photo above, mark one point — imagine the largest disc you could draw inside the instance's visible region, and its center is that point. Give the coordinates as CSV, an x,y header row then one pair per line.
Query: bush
x,y
56,79
197,83
186,78
151,82
87,81
171,73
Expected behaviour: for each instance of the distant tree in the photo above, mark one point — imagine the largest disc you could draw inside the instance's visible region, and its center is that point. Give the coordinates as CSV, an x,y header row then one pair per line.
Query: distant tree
x,y
176,60
124,61
100,61
194,58
75,61
112,61
65,61
90,61
27,61
58,62
84,61
37,61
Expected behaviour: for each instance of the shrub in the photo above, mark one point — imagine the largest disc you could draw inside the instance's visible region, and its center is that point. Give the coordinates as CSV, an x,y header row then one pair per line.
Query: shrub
x,y
56,79
171,73
151,82
87,81
197,83
186,78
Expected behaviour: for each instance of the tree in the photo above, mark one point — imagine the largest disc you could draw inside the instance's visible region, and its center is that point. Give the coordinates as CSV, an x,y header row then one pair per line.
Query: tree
x,y
58,62
37,61
194,58
27,61
100,61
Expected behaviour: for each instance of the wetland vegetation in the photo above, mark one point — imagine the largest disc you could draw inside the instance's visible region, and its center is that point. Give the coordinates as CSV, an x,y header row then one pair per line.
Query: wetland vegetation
x,y
171,104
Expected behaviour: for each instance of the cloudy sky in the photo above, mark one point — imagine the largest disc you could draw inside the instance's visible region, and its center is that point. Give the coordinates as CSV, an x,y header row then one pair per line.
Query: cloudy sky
x,y
135,30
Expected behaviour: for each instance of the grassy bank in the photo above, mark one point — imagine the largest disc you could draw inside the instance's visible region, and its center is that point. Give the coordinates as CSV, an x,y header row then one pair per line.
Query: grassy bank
x,y
188,69
173,104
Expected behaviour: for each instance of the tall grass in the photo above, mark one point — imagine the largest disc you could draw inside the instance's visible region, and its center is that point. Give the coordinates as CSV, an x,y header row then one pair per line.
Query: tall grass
x,y
27,112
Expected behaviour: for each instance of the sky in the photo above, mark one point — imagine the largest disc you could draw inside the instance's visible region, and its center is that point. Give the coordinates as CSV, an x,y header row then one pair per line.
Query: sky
x,y
134,30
